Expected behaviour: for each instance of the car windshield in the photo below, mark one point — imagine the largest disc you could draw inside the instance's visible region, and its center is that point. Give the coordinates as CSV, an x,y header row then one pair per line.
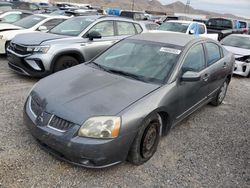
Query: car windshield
x,y
72,27
141,60
29,21
237,41
174,26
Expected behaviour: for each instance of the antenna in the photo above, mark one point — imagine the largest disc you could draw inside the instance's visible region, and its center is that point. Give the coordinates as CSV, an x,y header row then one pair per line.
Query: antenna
x,y
133,4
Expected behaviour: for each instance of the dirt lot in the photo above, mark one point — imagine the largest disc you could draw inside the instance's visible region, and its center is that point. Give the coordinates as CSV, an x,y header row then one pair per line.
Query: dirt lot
x,y
209,149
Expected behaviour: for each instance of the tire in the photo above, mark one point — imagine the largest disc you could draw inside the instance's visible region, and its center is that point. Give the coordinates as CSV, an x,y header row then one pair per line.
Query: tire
x,y
65,62
221,94
146,141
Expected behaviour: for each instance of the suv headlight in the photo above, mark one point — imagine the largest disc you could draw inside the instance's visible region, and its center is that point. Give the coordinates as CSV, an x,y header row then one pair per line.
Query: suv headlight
x,y
101,127
39,49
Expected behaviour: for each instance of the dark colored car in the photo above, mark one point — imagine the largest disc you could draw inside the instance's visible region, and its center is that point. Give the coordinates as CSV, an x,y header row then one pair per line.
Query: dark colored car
x,y
117,106
222,26
135,15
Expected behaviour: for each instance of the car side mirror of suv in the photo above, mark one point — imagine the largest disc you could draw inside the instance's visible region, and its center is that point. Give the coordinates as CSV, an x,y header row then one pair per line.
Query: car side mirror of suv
x,y
190,76
94,35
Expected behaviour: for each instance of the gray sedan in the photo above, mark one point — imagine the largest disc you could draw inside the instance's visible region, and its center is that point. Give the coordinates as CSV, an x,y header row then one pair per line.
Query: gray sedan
x,y
117,106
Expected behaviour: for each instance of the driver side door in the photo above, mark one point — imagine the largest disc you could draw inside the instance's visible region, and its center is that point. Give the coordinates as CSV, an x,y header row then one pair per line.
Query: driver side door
x,y
192,94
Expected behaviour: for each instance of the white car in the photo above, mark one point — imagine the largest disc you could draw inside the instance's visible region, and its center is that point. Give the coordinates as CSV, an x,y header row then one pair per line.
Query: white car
x,y
12,16
188,27
239,45
31,23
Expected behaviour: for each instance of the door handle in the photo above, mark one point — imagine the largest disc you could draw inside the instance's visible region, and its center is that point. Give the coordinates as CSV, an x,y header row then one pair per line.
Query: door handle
x,y
205,77
224,65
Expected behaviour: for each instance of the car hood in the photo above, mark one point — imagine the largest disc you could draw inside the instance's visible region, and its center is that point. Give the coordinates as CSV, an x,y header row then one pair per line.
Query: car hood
x,y
81,92
238,52
7,27
36,38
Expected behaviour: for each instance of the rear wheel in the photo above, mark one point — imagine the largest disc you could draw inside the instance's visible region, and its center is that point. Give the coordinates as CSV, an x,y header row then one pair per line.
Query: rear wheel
x,y
146,141
221,94
65,62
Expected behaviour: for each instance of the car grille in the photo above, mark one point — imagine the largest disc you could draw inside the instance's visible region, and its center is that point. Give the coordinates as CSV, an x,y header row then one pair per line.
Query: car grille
x,y
60,124
19,49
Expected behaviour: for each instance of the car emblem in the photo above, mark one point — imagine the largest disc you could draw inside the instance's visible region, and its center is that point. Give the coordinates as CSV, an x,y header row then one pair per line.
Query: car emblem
x,y
40,118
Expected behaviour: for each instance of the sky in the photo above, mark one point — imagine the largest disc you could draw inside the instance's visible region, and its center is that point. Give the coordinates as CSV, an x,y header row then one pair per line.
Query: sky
x,y
236,7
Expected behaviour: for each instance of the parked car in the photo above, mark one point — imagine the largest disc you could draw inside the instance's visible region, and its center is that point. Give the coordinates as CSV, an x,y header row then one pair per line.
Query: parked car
x,y
13,15
72,42
39,22
188,27
239,45
135,15
150,25
223,27
117,106
244,28
5,6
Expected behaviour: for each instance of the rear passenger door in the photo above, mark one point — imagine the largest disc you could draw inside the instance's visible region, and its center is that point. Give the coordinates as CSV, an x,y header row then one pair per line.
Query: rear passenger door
x,y
107,31
217,66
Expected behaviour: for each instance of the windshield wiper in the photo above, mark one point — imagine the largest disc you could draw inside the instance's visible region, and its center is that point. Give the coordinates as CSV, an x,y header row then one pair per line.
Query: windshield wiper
x,y
100,66
136,77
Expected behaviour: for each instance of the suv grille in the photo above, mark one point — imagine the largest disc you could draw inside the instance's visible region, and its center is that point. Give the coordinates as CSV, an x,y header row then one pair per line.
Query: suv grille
x,y
19,49
60,124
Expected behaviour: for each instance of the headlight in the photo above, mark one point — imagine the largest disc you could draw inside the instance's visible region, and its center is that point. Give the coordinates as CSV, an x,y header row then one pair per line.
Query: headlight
x,y
101,127
39,49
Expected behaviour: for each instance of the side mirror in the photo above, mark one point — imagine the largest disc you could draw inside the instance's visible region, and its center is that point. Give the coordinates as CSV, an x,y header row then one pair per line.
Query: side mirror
x,y
94,35
191,32
190,76
42,28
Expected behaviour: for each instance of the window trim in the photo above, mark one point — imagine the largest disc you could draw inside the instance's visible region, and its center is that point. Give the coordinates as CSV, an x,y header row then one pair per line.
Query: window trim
x,y
116,27
186,53
94,24
206,52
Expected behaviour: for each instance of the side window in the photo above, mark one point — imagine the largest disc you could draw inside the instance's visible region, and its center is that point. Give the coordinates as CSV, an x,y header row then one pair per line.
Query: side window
x,y
52,23
125,28
195,59
138,28
11,18
105,28
213,53
201,29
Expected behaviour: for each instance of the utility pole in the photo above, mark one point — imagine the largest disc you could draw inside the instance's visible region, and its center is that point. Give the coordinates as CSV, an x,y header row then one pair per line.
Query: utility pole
x,y
133,4
187,6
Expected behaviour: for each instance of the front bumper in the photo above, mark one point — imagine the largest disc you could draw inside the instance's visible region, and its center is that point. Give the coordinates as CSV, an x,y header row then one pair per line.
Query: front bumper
x,y
19,64
86,152
241,68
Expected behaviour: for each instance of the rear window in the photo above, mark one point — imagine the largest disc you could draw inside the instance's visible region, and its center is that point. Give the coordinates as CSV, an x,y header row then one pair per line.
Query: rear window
x,y
174,26
220,23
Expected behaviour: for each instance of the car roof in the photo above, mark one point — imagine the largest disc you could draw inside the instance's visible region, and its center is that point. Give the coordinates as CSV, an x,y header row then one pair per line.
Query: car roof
x,y
178,39
51,16
108,18
182,21
240,35
18,10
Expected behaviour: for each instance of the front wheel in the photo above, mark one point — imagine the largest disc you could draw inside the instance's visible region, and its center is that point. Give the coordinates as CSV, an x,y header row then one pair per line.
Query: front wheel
x,y
146,141
221,94
65,62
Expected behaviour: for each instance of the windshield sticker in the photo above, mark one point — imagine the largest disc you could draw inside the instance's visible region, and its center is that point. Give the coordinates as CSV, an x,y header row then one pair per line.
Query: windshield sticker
x,y
170,50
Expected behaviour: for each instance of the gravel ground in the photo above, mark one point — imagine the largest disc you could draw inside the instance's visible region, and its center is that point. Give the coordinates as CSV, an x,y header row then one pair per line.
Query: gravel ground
x,y
209,149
